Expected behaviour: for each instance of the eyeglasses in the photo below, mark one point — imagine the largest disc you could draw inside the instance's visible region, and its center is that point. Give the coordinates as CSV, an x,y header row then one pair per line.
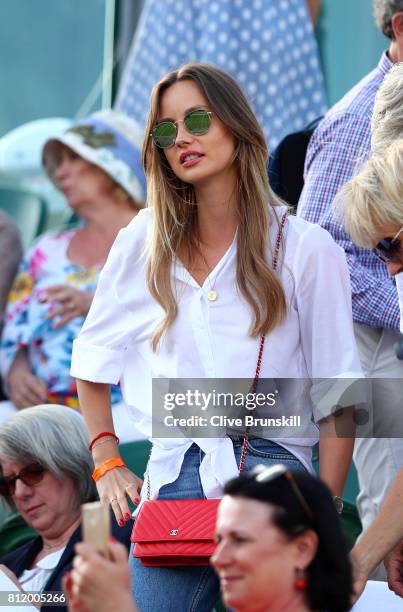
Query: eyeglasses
x,y
30,475
196,122
266,474
388,249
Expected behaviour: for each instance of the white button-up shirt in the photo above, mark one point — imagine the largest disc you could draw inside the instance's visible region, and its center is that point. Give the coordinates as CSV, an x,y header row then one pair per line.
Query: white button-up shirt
x,y
209,339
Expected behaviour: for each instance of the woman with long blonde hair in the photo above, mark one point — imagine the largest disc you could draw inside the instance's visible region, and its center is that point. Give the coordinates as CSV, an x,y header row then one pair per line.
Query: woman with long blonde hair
x,y
211,281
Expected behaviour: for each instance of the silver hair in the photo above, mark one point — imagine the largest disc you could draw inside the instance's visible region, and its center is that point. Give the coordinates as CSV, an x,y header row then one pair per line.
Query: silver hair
x,y
56,437
383,12
387,119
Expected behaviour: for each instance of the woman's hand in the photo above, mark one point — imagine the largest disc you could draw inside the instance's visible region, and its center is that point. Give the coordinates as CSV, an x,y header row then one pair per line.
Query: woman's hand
x,y
73,303
119,483
99,583
73,601
115,487
25,389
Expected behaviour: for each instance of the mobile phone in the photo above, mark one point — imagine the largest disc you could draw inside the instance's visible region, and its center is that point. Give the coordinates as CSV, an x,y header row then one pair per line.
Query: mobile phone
x,y
96,525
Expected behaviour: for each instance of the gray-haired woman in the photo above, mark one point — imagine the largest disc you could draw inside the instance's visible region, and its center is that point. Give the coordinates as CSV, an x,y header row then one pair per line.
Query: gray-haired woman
x,y
46,472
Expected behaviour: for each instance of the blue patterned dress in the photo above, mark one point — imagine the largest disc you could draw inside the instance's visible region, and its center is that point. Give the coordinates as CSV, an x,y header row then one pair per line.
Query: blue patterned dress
x,y
267,45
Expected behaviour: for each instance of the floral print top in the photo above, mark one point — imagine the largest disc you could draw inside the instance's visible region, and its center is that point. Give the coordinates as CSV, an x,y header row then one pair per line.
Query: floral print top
x,y
45,264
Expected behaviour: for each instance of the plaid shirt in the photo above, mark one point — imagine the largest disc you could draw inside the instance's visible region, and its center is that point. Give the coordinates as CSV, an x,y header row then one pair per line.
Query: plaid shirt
x,y
337,148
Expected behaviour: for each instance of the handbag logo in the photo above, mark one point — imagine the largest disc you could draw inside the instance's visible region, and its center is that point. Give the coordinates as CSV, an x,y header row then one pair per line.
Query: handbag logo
x,y
174,532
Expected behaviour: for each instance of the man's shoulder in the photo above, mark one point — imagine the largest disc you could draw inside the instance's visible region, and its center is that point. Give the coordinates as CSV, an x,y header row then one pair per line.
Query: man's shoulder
x,y
356,106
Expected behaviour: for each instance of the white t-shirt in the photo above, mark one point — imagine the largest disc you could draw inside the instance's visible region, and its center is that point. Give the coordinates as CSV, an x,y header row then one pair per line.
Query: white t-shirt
x,y
209,339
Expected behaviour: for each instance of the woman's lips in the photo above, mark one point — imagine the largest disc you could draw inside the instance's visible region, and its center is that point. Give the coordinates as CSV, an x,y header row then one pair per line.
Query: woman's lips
x,y
33,509
195,157
191,162
229,580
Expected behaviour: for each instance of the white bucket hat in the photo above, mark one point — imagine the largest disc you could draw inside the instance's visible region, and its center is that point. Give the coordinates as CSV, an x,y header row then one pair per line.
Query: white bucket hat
x,y
110,140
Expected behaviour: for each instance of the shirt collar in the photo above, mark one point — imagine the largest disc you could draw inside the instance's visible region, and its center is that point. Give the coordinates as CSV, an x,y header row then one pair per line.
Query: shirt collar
x,y
385,64
180,272
51,560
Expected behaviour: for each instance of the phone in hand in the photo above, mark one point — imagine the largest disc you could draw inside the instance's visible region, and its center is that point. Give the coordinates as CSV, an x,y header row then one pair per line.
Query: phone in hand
x,y
96,525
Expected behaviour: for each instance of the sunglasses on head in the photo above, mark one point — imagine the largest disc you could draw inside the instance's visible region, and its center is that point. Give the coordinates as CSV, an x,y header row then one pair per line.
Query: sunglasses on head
x,y
267,474
388,250
197,122
30,475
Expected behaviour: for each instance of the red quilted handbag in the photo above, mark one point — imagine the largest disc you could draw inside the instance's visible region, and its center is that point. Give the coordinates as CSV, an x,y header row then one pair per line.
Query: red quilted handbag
x,y
175,532
181,531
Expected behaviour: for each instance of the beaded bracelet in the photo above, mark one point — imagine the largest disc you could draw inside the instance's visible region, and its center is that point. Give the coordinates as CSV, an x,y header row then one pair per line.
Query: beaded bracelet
x,y
110,434
106,466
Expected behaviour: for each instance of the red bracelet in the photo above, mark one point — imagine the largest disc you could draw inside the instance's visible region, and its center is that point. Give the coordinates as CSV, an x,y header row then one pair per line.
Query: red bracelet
x,y
103,434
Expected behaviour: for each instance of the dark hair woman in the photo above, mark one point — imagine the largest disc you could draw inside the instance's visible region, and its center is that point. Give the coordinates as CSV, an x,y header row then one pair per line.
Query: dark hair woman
x,y
280,545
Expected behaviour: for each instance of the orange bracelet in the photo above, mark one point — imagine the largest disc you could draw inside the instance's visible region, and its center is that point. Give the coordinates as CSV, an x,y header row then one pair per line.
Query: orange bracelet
x,y
107,465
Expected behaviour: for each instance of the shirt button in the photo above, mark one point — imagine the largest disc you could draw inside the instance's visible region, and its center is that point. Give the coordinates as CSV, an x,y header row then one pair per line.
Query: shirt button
x,y
212,296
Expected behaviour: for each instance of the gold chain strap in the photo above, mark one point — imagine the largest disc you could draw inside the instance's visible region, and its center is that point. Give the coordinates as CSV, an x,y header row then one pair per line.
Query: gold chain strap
x,y
261,347
258,365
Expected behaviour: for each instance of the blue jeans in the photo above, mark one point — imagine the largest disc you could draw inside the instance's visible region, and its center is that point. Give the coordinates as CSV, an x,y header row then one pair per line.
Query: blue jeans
x,y
194,589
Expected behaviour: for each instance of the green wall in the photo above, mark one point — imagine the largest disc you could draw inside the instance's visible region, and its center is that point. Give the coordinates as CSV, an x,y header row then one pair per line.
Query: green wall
x,y
350,44
51,54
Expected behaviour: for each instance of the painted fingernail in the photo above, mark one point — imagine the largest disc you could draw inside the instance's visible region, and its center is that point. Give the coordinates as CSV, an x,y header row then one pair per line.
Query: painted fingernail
x,y
112,540
127,517
121,522
136,500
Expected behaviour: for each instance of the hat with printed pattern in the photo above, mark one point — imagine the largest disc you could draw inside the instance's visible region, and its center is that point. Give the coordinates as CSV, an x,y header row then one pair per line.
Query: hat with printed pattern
x,y
110,140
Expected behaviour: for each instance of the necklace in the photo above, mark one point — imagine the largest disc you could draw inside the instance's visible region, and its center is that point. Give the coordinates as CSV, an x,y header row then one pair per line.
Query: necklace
x,y
212,294
53,546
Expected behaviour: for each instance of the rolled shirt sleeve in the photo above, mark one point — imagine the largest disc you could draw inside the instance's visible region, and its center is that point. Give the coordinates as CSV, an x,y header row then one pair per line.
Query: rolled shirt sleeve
x,y
99,351
323,296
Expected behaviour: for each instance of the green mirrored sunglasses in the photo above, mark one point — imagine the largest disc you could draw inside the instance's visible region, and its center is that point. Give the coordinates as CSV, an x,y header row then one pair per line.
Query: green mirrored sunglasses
x,y
196,122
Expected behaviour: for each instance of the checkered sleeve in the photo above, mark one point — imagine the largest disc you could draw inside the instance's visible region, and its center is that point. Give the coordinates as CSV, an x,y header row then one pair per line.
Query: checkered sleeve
x,y
375,300
335,152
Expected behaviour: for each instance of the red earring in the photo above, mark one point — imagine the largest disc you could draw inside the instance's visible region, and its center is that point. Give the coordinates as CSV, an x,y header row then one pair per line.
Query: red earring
x,y
300,582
